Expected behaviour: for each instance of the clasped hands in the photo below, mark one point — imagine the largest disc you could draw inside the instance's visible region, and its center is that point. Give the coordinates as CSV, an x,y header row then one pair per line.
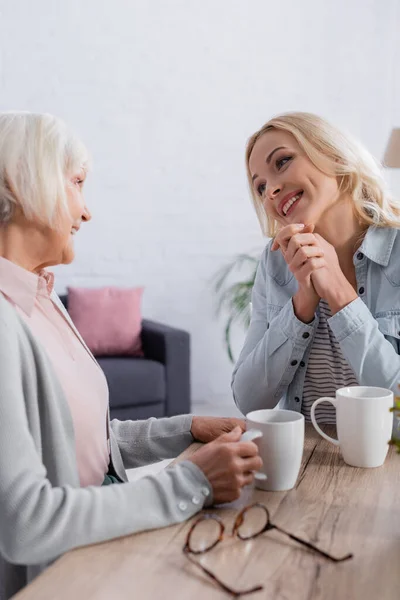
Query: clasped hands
x,y
315,265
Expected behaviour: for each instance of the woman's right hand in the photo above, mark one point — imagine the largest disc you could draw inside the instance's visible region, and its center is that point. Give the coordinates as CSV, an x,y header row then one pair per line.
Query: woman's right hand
x,y
228,464
303,255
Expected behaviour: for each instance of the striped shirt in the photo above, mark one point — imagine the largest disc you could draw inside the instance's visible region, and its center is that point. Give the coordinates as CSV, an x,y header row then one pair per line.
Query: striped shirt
x,y
327,370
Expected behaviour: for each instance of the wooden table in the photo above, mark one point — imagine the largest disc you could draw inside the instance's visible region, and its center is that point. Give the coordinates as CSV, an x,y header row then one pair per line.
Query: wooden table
x,y
340,508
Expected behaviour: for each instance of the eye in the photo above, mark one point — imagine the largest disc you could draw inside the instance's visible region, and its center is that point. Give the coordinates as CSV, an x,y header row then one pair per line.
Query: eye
x,y
79,182
283,161
261,189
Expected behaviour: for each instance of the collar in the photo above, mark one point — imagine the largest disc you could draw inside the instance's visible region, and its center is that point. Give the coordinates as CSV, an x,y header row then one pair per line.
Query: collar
x,y
378,244
22,286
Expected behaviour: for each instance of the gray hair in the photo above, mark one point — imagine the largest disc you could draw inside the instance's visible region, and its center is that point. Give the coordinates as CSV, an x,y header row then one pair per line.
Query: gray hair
x,y
37,154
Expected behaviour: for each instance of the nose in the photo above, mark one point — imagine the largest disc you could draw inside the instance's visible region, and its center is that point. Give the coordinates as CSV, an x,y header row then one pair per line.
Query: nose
x,y
86,215
272,191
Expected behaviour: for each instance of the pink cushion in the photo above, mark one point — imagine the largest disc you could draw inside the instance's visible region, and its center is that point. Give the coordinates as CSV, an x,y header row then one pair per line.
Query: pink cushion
x,y
109,319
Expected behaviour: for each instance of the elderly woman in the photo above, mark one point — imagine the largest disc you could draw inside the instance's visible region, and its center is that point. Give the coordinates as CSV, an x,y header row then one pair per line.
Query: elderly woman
x,y
57,445
326,295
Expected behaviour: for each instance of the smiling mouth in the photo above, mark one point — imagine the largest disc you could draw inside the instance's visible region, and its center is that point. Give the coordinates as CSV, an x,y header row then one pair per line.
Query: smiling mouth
x,y
288,206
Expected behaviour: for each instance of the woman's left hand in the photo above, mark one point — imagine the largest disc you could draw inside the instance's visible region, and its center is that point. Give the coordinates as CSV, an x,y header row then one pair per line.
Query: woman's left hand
x,y
206,429
329,281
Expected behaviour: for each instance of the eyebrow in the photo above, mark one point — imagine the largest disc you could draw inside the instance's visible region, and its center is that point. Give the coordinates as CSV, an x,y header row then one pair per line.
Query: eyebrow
x,y
268,160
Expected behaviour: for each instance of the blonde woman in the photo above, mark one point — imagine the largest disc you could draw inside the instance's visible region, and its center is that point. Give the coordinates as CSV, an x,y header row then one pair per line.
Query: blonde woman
x,y
57,445
326,300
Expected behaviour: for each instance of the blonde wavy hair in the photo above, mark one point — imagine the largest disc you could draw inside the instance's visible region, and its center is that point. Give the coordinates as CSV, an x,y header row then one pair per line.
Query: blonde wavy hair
x,y
335,154
37,154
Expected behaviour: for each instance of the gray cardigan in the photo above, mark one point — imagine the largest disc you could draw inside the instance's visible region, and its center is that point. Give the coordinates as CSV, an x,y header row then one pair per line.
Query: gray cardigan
x,y
43,510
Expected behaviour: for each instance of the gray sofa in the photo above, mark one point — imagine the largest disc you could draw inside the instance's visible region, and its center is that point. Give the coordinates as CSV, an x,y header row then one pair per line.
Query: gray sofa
x,y
155,385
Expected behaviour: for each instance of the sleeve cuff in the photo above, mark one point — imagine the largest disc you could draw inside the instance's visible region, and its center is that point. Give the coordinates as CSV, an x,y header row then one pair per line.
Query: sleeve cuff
x,y
349,319
201,481
185,423
297,331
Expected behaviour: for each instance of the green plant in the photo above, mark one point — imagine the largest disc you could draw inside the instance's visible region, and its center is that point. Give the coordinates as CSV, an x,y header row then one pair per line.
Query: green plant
x,y
233,298
396,411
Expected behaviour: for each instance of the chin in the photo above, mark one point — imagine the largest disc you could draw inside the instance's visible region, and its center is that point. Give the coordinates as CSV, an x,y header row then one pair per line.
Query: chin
x,y
67,257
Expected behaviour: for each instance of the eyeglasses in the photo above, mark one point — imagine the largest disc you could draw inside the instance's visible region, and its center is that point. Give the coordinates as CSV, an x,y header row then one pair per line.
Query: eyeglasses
x,y
253,520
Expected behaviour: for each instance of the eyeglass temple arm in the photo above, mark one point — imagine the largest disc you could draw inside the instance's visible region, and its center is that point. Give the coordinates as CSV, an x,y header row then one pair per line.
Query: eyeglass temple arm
x,y
234,593
311,546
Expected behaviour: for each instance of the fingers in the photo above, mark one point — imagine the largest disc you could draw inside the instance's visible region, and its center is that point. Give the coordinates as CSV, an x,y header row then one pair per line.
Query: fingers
x,y
302,255
246,469
227,424
286,233
235,422
243,474
283,236
298,241
246,449
251,464
247,479
231,436
311,265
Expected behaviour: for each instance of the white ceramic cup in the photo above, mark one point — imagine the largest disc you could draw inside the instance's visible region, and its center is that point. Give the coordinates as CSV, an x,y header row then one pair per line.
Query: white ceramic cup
x,y
280,447
364,424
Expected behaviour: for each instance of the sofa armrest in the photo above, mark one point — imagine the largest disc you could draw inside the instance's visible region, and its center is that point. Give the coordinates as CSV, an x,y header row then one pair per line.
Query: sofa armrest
x,y
171,347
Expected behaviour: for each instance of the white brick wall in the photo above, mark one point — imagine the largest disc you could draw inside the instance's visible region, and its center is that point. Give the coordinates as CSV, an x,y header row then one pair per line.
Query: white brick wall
x,y
165,93
393,175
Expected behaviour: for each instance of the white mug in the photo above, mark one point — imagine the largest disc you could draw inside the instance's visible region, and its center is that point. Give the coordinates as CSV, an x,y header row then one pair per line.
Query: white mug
x,y
280,447
364,424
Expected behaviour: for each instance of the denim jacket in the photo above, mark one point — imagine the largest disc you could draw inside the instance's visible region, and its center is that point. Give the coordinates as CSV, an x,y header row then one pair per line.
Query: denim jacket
x,y
271,368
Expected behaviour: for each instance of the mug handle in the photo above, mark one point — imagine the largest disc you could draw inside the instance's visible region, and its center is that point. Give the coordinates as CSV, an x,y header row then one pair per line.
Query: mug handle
x,y
249,436
314,422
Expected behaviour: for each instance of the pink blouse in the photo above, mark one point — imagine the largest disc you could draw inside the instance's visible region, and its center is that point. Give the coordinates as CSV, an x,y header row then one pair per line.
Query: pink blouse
x,y
81,378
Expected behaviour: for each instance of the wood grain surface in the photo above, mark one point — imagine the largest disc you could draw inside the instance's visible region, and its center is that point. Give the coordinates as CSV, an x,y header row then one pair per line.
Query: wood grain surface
x,y
339,508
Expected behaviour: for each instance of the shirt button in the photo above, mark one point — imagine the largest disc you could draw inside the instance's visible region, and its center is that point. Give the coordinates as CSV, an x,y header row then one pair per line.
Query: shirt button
x,y
297,399
293,363
306,335
182,506
361,290
196,500
205,491
302,363
360,256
